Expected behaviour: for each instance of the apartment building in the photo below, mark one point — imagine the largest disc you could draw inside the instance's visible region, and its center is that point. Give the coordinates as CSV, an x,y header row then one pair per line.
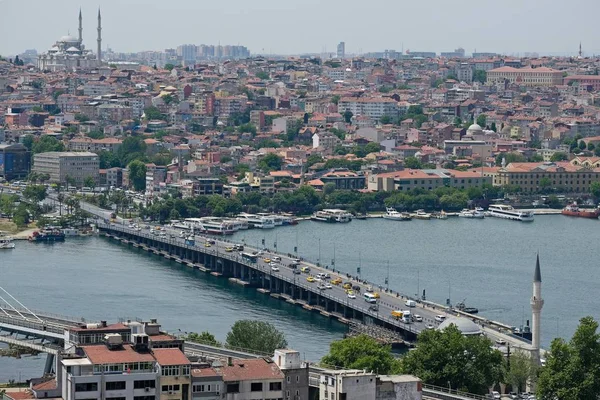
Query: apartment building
x,y
94,145
590,82
63,165
372,107
564,176
347,385
426,179
541,76
295,384
344,179
252,379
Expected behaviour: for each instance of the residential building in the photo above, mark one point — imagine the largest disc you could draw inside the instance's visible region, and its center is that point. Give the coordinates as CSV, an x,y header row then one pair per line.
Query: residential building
x,y
563,176
15,161
325,140
114,177
295,384
541,76
344,179
67,165
207,382
94,145
263,184
426,179
175,373
347,385
207,186
589,82
372,107
398,387
252,379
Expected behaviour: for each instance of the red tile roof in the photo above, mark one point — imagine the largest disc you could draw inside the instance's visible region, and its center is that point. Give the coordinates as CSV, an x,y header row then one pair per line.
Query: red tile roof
x,y
48,385
204,373
100,354
251,369
170,357
20,395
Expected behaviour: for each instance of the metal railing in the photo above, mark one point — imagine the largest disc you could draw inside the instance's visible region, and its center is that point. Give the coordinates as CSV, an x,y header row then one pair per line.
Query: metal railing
x,y
38,326
447,393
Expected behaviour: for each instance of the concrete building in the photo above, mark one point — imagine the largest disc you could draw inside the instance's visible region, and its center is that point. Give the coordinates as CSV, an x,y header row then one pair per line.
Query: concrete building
x,y
347,385
372,107
344,179
295,384
63,165
325,140
532,177
541,76
341,50
398,387
409,179
15,161
251,379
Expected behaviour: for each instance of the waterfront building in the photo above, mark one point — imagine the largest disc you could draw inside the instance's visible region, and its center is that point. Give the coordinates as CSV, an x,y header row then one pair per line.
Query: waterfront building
x,y
15,161
69,52
63,165
532,177
344,179
426,179
541,76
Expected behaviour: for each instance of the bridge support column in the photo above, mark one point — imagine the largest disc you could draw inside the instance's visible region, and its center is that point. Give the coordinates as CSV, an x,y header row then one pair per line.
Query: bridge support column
x,y
49,367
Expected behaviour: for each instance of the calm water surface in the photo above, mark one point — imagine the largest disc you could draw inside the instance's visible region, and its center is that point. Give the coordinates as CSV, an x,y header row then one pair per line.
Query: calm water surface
x,y
487,262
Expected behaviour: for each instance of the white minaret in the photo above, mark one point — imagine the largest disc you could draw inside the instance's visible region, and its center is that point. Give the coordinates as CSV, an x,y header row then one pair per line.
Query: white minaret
x,y
536,309
99,55
80,28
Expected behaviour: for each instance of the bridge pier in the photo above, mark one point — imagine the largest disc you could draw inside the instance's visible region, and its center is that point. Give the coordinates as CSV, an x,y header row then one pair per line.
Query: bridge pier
x,y
49,366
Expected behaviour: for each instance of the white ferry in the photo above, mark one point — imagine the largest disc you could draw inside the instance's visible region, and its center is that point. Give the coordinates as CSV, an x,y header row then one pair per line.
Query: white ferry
x,y
332,215
277,219
257,221
508,212
394,215
466,213
214,226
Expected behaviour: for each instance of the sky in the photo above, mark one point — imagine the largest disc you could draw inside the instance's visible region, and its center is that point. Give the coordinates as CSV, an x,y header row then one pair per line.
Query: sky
x,y
295,27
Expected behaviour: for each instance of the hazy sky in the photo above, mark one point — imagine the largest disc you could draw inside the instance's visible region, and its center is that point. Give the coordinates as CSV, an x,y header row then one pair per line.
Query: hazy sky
x,y
292,27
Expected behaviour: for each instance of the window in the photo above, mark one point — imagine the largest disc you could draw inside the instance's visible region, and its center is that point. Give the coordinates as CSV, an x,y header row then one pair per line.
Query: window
x,y
233,388
256,387
86,387
297,378
144,384
169,388
275,386
198,388
119,385
116,398
289,379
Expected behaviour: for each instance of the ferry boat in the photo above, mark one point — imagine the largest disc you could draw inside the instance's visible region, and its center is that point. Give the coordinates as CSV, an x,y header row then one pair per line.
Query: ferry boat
x,y
6,242
257,221
48,234
392,214
466,213
508,212
332,215
421,214
573,210
213,226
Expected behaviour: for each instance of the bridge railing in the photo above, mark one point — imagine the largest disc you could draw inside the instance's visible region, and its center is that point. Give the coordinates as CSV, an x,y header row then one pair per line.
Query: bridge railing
x,y
40,326
453,393
44,315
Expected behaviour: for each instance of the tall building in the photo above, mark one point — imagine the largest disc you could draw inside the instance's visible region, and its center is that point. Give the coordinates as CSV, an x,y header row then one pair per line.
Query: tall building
x,y
341,50
15,161
69,52
187,53
536,309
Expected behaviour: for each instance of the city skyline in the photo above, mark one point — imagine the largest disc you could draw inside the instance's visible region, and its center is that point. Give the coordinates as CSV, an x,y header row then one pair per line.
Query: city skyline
x,y
264,26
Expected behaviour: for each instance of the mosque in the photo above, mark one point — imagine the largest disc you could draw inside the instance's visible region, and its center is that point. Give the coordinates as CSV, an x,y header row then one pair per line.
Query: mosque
x,y
69,52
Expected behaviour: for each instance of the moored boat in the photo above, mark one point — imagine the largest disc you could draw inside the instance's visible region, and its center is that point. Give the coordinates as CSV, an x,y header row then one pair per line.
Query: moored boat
x,y
6,242
394,215
332,215
466,213
508,212
573,210
421,214
48,234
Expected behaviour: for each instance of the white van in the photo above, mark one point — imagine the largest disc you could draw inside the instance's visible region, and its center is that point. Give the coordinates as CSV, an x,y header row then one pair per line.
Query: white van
x,y
370,298
410,303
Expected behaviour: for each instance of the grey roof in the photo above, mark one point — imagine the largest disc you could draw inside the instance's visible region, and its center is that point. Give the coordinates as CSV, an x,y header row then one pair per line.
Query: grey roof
x,y
537,276
466,326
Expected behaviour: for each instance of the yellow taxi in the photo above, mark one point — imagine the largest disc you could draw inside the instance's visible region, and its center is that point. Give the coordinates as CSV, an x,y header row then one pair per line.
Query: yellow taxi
x,y
376,295
305,269
229,249
206,244
347,285
267,260
336,281
349,291
310,279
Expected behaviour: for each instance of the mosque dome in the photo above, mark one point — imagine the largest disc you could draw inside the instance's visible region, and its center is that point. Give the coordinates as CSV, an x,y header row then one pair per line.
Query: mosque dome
x,y
465,325
68,39
72,50
475,128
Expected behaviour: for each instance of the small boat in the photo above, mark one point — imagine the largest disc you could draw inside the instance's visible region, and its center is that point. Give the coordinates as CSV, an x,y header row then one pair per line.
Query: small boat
x,y
466,213
441,215
332,215
360,216
573,210
469,310
421,214
6,243
394,215
48,234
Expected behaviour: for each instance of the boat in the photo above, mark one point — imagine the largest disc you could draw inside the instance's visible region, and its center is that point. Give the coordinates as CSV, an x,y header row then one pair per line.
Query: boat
x,y
70,232
48,234
466,213
441,215
360,216
210,225
573,210
421,214
6,242
469,310
257,221
332,215
392,214
508,212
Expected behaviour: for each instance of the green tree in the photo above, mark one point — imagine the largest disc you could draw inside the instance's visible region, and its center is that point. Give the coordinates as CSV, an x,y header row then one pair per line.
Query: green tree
x,y
262,75
384,120
335,99
412,163
572,370
448,358
415,109
361,352
591,146
89,181
559,156
169,66
457,122
270,162
248,128
153,113
595,190
482,120
348,116
35,193
545,184
258,336
582,145
46,144
494,128
81,117
95,134
28,142
132,148
519,370
480,76
137,175
372,147
509,158
204,338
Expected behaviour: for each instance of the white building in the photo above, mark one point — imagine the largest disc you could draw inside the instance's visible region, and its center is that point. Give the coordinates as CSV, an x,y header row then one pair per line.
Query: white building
x,y
348,385
372,107
63,165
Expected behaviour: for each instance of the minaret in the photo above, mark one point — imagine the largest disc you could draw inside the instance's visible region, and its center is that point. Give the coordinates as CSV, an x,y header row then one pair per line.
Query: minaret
x,y
536,309
580,52
99,54
80,28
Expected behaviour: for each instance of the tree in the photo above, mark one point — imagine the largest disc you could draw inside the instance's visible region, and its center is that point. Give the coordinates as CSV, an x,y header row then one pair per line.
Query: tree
x,y
482,120
137,175
153,113
582,145
545,184
203,337
448,358
335,99
46,144
509,158
262,75
372,147
28,142
348,116
95,134
480,76
559,156
519,370
572,368
412,163
89,182
258,336
457,122
494,128
169,66
35,193
595,189
384,120
270,162
591,146
361,352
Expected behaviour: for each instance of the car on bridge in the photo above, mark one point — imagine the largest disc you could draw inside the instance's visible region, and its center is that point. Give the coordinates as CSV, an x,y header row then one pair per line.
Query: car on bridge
x,y
351,295
440,318
336,281
229,249
310,279
305,270
418,318
274,268
267,260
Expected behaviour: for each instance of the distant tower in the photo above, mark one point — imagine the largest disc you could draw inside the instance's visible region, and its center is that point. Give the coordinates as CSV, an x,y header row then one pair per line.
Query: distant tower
x,y
536,309
341,50
580,52
80,28
99,55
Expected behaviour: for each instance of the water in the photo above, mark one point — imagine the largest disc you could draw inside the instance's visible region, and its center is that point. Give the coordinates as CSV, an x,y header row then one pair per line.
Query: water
x,y
488,262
